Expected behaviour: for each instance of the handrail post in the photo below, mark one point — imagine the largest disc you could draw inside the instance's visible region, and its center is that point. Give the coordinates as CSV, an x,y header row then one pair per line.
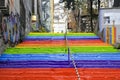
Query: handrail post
x,y
69,55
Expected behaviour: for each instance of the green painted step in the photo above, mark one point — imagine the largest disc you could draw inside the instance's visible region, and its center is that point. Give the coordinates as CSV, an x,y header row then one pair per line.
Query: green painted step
x,y
81,34
36,50
56,50
92,49
61,34
45,34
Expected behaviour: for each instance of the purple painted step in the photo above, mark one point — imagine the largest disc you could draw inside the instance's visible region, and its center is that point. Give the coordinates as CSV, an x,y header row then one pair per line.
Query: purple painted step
x,y
61,64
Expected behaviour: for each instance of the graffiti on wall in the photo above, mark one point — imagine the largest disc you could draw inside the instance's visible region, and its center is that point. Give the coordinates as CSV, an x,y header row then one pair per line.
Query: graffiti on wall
x,y
11,29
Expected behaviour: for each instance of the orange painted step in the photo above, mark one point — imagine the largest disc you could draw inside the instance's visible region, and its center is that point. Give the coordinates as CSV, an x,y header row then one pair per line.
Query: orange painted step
x,y
62,41
62,44
58,74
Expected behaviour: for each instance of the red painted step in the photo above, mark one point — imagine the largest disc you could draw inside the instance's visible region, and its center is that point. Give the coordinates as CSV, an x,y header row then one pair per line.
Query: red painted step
x,y
58,74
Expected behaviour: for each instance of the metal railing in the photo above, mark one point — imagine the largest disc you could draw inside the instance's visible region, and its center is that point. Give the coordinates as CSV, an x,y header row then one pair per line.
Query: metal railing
x,y
70,57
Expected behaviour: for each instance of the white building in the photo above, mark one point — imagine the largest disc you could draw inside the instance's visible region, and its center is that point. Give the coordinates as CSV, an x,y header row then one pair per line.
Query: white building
x,y
52,15
107,3
60,17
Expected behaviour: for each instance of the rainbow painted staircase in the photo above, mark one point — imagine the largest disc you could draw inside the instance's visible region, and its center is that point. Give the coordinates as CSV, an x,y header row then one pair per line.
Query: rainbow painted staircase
x,y
47,56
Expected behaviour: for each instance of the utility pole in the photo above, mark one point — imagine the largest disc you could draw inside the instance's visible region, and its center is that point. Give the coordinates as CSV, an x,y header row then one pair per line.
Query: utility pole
x,y
91,15
98,5
35,7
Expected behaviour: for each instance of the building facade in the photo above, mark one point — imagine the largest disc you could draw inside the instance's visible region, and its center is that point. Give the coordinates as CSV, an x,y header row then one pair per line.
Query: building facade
x,y
106,3
60,17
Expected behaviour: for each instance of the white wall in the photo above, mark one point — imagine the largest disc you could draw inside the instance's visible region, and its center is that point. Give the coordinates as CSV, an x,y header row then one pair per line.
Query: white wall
x,y
113,14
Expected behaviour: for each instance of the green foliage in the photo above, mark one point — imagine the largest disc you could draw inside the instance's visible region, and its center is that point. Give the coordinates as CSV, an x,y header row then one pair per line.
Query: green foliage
x,y
43,29
70,4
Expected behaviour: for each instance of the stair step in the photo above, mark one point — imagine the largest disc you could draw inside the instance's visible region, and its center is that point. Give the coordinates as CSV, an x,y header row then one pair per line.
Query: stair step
x,y
59,74
60,64
44,57
61,34
56,50
70,41
62,38
59,57
58,44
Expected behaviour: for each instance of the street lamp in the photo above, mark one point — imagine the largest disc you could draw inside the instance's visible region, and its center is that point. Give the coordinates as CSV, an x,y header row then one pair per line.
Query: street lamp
x,y
34,18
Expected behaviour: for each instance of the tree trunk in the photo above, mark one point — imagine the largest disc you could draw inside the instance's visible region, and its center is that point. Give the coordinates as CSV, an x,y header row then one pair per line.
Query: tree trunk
x,y
116,3
91,15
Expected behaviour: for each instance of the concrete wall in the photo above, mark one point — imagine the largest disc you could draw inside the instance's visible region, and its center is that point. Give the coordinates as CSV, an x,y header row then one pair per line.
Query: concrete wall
x,y
2,46
28,14
28,5
45,14
16,18
14,6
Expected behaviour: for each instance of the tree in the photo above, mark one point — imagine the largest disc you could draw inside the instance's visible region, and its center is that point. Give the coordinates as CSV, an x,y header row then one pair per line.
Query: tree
x,y
70,4
116,3
80,5
75,7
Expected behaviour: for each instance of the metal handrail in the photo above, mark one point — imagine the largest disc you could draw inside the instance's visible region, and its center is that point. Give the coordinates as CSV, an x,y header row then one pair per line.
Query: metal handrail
x,y
70,56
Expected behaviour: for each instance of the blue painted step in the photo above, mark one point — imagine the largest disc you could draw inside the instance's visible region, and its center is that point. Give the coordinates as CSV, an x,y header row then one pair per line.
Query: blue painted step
x,y
62,38
60,57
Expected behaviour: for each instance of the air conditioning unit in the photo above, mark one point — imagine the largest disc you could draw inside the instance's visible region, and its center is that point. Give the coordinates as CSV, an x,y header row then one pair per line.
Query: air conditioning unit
x,y
3,4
